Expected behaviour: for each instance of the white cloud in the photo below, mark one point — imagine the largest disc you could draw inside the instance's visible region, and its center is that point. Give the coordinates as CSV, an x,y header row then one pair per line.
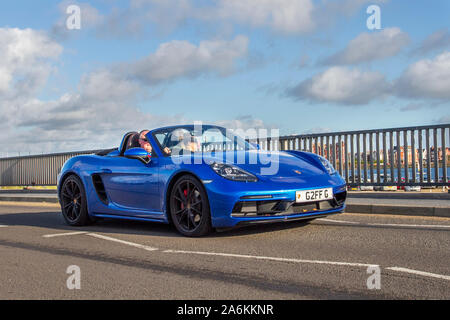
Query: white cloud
x,y
166,14
284,16
341,85
109,85
413,106
280,16
95,115
316,130
105,103
370,46
287,17
244,122
427,78
438,40
443,120
25,56
176,59
344,7
83,119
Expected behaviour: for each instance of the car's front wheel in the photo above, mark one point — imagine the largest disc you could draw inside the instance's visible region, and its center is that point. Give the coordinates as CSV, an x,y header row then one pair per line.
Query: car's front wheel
x,y
189,207
73,202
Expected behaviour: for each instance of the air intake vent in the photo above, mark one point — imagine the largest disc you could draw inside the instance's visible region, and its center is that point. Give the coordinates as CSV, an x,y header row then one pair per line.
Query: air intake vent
x,y
100,188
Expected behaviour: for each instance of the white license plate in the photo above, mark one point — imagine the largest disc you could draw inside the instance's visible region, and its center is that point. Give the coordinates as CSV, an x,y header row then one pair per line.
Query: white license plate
x,y
314,195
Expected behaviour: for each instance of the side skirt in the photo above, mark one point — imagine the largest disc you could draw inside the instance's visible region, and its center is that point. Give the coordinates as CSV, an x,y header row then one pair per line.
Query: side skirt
x,y
111,216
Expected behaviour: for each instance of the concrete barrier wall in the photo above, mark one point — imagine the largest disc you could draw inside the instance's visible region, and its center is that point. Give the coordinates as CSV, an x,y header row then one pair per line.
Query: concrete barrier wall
x,y
34,170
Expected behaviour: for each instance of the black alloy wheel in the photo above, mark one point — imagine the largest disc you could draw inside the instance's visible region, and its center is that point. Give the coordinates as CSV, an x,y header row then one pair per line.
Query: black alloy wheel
x,y
73,202
189,207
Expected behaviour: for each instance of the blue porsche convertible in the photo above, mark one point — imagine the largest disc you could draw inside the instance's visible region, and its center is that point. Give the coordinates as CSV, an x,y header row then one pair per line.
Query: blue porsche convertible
x,y
198,180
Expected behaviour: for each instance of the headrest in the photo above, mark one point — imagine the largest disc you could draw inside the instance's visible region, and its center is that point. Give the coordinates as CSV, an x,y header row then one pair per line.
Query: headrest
x,y
125,140
133,141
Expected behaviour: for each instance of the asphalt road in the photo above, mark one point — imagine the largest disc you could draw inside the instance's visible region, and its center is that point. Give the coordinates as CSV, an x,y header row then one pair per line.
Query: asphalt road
x,y
324,259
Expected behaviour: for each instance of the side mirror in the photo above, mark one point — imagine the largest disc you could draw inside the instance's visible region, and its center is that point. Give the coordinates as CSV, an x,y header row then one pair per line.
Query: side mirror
x,y
139,154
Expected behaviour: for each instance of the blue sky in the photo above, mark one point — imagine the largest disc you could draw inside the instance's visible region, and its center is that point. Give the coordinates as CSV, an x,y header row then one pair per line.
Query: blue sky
x,y
279,64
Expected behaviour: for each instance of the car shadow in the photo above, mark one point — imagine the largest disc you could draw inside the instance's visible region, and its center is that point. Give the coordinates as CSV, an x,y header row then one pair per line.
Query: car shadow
x,y
53,220
48,219
259,228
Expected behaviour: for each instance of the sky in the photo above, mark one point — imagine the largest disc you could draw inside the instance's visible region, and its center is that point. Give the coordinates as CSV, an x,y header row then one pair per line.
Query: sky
x,y
299,66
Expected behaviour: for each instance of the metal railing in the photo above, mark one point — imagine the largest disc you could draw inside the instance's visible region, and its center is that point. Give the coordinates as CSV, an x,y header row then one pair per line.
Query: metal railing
x,y
415,156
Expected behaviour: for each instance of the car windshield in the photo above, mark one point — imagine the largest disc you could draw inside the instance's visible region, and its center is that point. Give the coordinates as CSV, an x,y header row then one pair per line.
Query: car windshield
x,y
190,139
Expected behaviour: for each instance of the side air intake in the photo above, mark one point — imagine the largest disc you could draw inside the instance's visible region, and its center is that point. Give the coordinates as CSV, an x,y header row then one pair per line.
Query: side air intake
x,y
100,188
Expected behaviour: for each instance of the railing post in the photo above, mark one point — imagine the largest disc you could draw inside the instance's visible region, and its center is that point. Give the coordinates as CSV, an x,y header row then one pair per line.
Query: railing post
x,y
392,157
316,145
427,142
358,156
413,155
377,146
399,159
385,159
352,156
339,154
321,146
346,157
365,157
405,153
332,160
436,157
420,156
444,156
327,148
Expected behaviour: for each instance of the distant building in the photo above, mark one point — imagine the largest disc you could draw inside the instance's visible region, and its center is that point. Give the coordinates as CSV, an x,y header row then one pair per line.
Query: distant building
x,y
327,151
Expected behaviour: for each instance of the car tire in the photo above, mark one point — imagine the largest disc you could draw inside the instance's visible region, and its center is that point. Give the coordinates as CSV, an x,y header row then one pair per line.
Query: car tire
x,y
73,202
189,207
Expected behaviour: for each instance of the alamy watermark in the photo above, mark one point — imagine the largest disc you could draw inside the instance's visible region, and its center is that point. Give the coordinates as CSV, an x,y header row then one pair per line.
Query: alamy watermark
x,y
374,20
74,280
73,21
374,280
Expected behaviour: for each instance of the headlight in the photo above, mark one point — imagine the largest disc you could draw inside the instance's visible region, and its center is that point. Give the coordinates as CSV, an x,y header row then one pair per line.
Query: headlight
x,y
231,172
328,166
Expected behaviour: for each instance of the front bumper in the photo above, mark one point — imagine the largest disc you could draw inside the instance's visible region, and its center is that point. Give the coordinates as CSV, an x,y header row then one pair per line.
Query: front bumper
x,y
269,208
231,207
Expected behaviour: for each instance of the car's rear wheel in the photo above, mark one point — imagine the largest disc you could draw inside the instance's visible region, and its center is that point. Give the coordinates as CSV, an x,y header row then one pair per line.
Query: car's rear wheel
x,y
73,202
189,207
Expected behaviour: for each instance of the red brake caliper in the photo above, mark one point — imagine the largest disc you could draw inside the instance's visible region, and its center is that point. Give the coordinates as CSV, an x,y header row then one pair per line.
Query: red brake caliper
x,y
185,194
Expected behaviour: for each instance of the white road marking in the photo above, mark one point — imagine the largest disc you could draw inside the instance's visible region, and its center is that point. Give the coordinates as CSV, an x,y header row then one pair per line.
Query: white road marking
x,y
137,245
2,226
388,224
338,221
64,234
338,263
420,273
233,255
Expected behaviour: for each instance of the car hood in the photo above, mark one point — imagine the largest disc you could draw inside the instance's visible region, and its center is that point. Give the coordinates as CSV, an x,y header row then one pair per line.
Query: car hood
x,y
273,166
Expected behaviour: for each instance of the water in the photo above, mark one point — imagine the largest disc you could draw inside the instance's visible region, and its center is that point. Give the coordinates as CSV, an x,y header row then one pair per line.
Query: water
x,y
402,173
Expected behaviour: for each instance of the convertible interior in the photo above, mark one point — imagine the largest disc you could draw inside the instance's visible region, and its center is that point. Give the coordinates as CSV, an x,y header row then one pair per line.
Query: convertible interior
x,y
130,140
